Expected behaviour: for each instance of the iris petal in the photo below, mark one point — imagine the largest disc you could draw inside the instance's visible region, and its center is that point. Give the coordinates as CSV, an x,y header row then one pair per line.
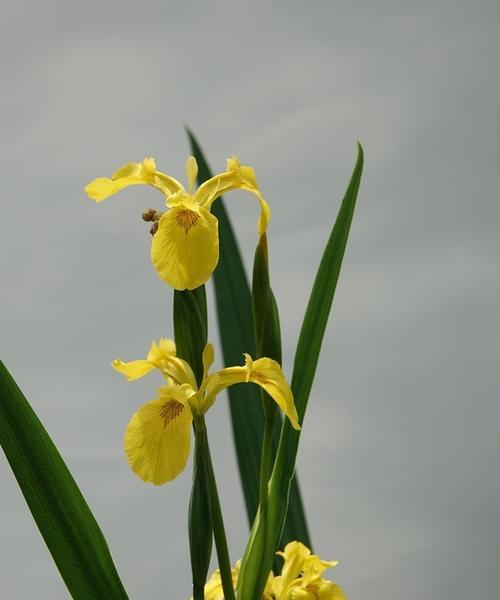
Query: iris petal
x,y
237,177
158,437
134,369
185,249
268,374
132,174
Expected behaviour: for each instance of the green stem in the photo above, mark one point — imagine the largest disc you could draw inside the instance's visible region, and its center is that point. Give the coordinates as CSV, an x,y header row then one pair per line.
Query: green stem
x,y
198,592
217,522
266,458
200,521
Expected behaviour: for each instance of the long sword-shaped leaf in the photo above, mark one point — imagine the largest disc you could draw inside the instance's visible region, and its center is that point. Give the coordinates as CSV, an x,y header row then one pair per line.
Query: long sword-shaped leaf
x,y
65,521
268,525
234,311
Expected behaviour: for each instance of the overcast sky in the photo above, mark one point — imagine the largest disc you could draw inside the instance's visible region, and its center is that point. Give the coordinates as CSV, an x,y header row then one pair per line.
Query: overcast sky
x,y
399,454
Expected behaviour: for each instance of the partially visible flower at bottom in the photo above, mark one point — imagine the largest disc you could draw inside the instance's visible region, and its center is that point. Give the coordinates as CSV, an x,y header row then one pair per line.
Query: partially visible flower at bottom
x,y
213,587
300,578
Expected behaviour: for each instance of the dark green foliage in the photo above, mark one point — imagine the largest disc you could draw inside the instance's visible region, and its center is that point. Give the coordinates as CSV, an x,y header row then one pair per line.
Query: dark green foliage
x,y
63,517
268,526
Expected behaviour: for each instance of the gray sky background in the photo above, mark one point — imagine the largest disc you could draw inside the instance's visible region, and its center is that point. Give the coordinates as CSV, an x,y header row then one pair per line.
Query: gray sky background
x,y
399,454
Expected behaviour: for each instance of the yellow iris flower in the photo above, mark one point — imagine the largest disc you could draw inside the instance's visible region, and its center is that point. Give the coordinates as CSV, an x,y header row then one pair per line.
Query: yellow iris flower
x,y
185,247
158,437
214,591
300,578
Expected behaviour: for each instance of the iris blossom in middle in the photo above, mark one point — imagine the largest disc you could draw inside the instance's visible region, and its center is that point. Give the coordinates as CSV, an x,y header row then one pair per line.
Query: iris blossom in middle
x,y
158,437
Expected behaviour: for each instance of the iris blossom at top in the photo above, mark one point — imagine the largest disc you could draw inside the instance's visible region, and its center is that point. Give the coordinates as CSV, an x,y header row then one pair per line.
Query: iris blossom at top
x,y
185,247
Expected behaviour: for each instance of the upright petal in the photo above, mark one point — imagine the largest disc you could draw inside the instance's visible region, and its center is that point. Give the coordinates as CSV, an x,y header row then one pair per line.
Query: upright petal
x,y
267,373
158,437
237,177
165,348
185,249
191,172
208,357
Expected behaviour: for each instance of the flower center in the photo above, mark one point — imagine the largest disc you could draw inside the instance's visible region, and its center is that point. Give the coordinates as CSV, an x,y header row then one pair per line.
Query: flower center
x,y
170,411
186,219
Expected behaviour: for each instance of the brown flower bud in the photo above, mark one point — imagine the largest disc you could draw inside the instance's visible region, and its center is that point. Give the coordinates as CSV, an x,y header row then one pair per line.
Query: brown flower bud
x,y
149,215
154,228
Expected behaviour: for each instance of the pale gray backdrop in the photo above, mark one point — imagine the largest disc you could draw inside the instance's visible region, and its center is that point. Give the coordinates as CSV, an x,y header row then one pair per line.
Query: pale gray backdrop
x,y
399,457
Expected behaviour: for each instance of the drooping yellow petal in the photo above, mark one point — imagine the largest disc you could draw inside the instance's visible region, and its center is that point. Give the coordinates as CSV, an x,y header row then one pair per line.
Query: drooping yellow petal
x,y
185,249
158,437
161,356
236,177
134,369
220,380
267,373
132,174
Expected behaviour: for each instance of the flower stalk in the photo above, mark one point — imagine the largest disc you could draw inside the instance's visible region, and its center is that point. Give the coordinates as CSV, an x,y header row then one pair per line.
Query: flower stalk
x,y
219,531
200,517
190,326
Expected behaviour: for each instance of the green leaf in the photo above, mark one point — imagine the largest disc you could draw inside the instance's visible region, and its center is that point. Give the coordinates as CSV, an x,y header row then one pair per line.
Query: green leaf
x,y
320,301
268,525
63,517
234,311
